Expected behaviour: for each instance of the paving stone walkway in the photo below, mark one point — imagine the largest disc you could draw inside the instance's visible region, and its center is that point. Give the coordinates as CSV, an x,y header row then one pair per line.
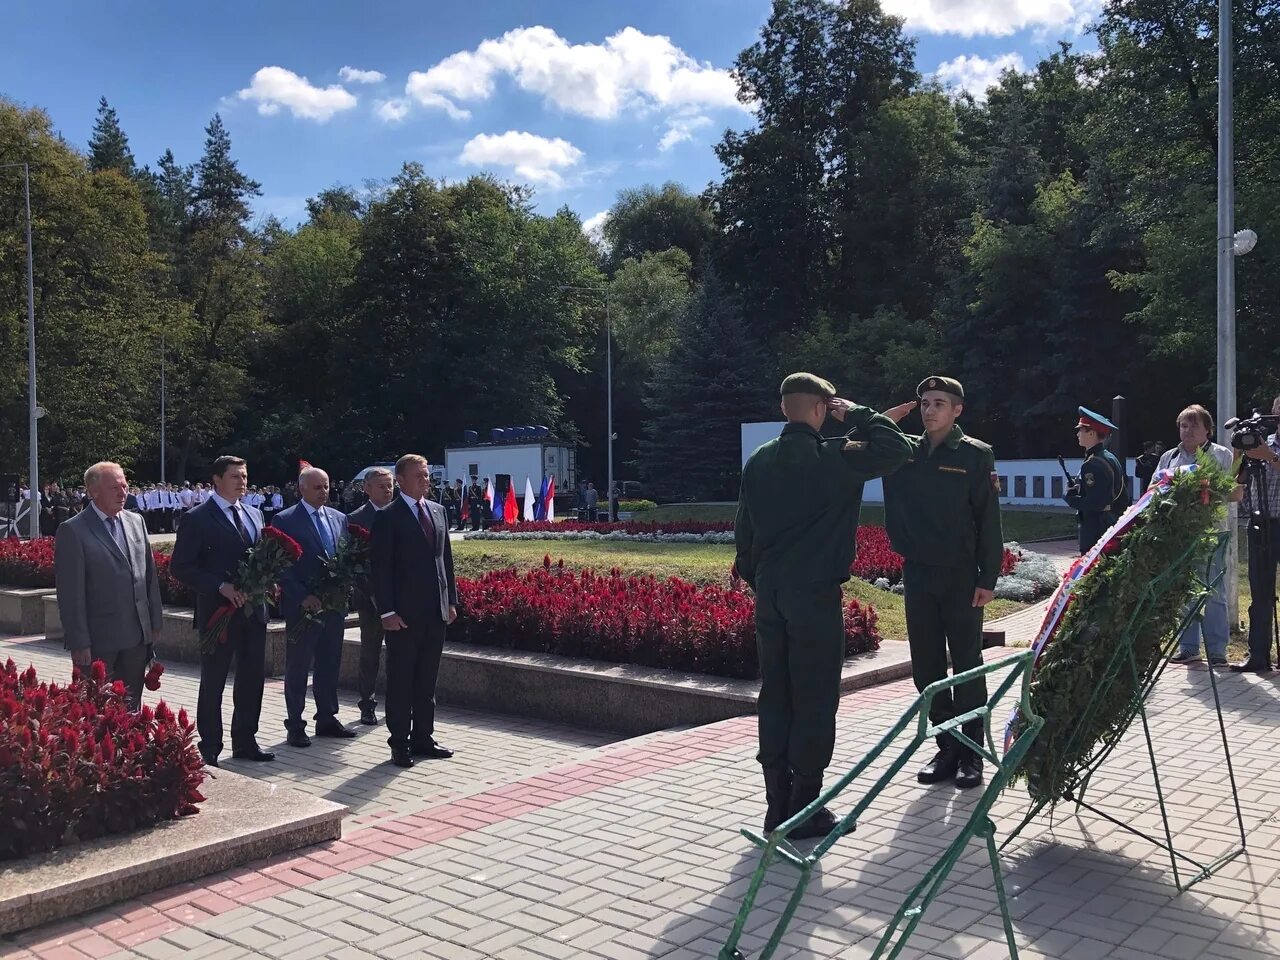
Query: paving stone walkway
x,y
539,841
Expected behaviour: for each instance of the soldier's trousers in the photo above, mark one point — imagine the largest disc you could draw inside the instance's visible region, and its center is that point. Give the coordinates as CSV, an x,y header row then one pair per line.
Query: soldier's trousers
x,y
800,640
941,617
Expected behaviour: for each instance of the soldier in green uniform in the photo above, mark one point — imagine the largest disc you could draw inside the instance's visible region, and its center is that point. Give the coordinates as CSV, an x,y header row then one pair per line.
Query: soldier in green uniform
x,y
1101,493
942,511
795,534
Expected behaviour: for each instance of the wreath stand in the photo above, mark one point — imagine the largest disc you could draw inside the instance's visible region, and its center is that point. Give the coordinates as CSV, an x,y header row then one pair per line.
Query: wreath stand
x,y
1123,663
777,846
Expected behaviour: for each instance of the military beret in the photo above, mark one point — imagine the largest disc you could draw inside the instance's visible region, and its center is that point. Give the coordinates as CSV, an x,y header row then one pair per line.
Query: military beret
x,y
1095,422
808,383
945,384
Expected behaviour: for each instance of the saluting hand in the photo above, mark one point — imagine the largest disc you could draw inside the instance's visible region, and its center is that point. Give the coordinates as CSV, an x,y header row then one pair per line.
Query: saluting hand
x,y
982,597
901,410
839,407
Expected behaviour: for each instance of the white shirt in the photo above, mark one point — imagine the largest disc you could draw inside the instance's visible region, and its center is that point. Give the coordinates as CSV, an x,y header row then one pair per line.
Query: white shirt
x,y
116,529
277,500
249,525
1178,457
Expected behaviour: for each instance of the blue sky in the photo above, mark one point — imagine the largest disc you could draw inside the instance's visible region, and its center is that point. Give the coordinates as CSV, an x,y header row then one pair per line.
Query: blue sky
x,y
581,99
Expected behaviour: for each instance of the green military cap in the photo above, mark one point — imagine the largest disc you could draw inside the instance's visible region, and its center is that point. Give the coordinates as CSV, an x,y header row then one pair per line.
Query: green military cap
x,y
808,383
945,384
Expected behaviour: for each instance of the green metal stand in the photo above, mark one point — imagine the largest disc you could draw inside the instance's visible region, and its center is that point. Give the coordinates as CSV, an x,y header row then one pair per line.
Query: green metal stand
x,y
777,846
1124,661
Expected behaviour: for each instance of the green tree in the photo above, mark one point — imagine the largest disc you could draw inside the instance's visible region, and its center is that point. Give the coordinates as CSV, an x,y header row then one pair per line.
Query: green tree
x,y
715,379
221,191
109,147
653,219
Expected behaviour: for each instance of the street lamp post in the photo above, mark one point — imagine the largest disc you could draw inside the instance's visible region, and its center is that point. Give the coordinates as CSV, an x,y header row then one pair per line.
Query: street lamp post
x,y
162,444
33,410
603,291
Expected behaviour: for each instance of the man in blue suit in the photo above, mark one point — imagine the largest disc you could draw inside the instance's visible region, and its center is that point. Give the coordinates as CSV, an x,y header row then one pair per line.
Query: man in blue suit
x,y
319,529
212,541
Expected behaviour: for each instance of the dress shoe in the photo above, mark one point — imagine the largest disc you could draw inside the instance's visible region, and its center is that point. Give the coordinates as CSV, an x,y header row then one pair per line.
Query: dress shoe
x,y
969,773
1217,661
298,738
804,790
1183,656
432,751
253,752
400,757
367,716
335,730
777,792
210,759
1250,667
941,768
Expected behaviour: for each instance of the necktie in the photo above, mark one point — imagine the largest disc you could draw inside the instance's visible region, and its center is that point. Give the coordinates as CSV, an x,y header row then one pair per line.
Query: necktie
x,y
326,537
113,528
240,527
428,528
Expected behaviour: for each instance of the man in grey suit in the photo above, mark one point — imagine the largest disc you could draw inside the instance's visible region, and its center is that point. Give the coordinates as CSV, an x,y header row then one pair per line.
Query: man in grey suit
x,y
108,590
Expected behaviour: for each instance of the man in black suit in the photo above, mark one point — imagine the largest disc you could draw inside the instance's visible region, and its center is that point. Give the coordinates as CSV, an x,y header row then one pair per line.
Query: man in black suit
x,y
380,487
212,540
417,598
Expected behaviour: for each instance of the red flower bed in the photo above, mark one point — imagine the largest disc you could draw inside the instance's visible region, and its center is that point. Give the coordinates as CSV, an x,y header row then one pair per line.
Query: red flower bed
x,y
76,764
632,527
27,563
642,620
876,558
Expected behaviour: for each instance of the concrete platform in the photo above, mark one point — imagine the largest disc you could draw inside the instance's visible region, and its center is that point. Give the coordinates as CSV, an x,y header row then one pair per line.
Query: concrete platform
x,y
595,695
22,609
242,819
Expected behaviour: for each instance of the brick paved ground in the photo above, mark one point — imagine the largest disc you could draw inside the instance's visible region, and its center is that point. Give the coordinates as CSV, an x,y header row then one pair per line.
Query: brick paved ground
x,y
539,842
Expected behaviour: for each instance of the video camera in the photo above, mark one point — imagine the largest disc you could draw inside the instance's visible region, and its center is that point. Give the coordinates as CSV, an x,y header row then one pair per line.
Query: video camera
x,y
1252,432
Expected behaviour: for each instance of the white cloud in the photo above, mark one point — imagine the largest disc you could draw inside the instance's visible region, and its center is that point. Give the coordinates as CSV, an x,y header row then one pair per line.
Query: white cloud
x,y
276,87
356,75
680,129
392,111
977,75
993,17
630,70
593,226
532,157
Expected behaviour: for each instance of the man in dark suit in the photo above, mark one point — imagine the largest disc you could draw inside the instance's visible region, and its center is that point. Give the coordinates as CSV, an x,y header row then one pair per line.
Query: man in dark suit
x,y
380,487
417,597
108,590
213,539
319,529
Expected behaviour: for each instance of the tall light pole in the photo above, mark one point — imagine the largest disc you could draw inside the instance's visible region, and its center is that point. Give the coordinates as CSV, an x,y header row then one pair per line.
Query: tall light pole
x,y
603,291
162,444
33,411
1226,225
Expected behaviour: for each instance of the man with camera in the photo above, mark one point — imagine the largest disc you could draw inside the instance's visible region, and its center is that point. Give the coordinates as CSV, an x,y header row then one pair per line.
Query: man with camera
x,y
1262,501
1195,427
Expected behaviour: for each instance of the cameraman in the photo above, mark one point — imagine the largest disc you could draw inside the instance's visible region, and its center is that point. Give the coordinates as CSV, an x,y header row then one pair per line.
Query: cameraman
x,y
1195,427
1264,551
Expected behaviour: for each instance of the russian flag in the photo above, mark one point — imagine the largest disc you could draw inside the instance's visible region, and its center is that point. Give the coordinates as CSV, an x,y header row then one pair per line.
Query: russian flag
x,y
488,498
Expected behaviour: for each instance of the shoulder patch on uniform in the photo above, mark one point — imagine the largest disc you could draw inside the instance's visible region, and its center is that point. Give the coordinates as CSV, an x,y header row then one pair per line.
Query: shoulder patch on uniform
x,y
975,442
945,468
855,445
1089,479
995,482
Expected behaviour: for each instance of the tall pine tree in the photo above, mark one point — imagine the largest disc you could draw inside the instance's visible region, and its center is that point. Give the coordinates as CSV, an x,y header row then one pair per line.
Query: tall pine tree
x,y
716,378
222,191
109,147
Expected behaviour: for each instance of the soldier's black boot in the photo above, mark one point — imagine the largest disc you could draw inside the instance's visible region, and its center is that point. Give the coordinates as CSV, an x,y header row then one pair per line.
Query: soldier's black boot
x,y
777,790
804,790
943,766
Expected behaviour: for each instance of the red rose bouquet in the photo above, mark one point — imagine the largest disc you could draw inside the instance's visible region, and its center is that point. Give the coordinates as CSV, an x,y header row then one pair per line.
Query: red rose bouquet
x,y
337,577
152,680
274,553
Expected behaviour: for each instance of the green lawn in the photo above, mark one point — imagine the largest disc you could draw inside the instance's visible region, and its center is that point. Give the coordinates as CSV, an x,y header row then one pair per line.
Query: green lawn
x,y
1021,525
696,562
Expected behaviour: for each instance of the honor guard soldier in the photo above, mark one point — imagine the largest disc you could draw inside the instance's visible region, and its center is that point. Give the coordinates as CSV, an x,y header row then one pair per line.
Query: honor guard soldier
x,y
942,510
796,534
1101,492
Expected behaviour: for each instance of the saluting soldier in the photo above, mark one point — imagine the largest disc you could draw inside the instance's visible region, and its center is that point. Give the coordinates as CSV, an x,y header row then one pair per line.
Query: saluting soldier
x,y
1100,493
796,534
476,505
942,511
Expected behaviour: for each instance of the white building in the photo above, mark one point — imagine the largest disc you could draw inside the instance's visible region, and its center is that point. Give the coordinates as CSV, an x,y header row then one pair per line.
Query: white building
x,y
513,454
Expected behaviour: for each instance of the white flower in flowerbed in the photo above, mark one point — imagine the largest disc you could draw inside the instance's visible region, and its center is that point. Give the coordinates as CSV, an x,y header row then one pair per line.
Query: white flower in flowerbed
x,y
1036,576
614,537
